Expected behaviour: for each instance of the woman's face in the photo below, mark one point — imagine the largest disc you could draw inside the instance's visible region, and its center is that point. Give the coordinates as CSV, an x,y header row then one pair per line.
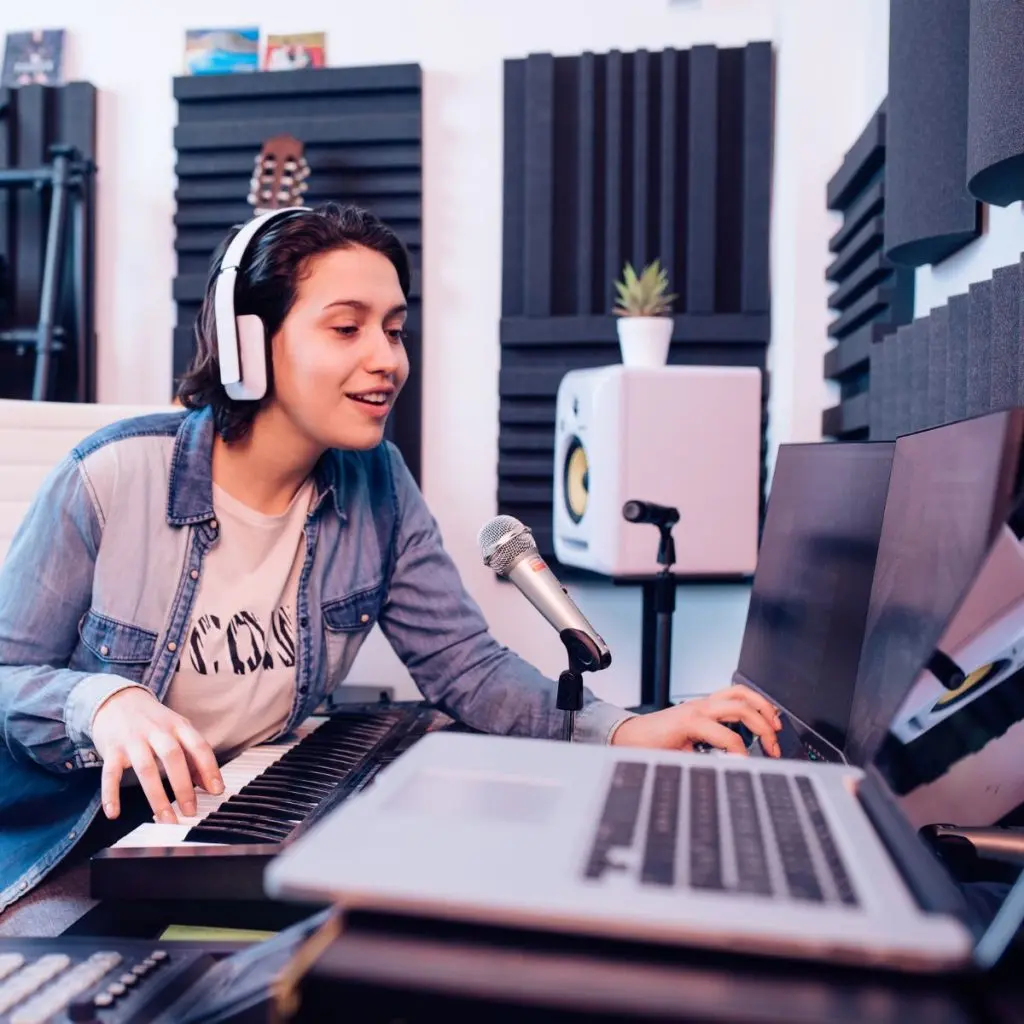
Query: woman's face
x,y
339,357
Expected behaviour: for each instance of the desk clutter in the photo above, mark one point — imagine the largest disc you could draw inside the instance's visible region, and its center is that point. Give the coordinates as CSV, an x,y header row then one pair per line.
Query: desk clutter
x,y
92,980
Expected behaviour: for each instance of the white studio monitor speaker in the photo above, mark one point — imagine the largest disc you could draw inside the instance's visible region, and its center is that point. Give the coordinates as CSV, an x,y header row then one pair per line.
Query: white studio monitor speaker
x,y
685,436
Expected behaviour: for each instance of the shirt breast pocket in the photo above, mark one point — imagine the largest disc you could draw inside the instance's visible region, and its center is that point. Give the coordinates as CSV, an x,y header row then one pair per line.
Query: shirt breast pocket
x,y
347,623
109,646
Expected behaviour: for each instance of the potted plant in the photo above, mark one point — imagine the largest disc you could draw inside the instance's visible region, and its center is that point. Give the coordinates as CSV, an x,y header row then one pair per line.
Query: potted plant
x,y
645,321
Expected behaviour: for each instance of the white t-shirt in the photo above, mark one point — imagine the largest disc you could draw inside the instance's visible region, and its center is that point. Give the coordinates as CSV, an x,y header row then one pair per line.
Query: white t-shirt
x,y
235,678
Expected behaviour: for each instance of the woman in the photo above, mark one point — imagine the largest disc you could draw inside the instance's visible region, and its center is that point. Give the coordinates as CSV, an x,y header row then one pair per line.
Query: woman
x,y
188,584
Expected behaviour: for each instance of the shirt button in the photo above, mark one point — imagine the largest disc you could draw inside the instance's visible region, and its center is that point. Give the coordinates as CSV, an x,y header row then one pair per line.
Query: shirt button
x,y
68,765
71,835
172,646
364,617
104,650
194,574
213,524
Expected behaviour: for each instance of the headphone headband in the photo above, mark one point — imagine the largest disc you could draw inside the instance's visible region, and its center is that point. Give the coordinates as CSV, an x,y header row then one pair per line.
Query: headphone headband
x,y
241,350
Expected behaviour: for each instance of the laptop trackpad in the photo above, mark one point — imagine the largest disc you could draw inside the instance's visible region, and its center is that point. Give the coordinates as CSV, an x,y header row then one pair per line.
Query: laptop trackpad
x,y
436,793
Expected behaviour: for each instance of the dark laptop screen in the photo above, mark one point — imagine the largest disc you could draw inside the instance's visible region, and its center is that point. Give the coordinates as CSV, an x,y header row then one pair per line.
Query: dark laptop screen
x,y
947,604
950,495
813,580
939,704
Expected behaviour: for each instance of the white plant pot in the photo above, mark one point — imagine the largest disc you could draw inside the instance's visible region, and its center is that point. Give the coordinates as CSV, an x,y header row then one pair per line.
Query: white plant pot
x,y
644,340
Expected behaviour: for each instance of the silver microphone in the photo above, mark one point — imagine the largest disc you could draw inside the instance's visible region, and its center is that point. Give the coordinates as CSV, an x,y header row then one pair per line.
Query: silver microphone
x,y
508,547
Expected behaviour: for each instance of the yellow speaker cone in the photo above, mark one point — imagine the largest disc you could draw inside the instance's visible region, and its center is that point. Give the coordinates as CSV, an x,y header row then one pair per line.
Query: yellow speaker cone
x,y
979,675
577,480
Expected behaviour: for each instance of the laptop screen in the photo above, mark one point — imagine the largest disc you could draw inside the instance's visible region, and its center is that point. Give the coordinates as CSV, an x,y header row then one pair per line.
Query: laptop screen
x,y
810,593
951,495
939,705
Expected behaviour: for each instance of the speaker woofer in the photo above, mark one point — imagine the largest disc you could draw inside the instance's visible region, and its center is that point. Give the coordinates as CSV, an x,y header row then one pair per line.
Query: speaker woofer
x,y
576,479
980,675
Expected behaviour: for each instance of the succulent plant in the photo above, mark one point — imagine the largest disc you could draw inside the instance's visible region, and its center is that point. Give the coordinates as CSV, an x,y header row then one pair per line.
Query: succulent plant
x,y
643,295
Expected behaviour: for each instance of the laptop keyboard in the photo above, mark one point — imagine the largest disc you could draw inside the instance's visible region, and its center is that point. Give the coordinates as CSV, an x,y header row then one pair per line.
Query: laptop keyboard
x,y
719,830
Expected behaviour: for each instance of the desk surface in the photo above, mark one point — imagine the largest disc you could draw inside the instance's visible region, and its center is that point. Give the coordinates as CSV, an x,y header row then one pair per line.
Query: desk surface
x,y
419,971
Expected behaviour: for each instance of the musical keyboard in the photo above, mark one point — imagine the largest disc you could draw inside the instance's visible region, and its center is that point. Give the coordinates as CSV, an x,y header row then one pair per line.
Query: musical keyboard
x,y
272,793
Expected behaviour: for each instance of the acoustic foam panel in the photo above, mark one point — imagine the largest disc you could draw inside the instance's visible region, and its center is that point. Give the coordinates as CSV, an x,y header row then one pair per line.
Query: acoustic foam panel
x,y
995,103
889,386
920,337
929,213
1006,340
904,379
872,296
1020,343
979,348
625,156
876,422
938,358
361,128
956,354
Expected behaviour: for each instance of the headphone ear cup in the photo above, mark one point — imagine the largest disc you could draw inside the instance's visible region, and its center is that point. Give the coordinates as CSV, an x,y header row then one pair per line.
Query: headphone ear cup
x,y
253,359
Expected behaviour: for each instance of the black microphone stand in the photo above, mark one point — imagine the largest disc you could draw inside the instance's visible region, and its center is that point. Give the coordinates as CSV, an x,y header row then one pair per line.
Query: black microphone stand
x,y
582,657
664,610
664,517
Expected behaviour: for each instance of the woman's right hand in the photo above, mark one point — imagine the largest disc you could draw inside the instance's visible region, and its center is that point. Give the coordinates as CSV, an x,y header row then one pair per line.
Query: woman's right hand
x,y
132,729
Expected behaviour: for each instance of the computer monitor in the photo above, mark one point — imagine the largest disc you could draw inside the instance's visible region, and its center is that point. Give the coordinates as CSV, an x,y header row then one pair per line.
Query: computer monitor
x,y
947,611
809,599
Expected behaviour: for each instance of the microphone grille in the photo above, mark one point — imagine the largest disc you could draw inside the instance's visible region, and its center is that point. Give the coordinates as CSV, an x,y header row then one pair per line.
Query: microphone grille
x,y
502,540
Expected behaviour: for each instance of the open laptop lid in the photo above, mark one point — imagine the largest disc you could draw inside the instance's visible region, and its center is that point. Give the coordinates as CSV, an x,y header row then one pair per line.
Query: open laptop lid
x,y
938,713
809,599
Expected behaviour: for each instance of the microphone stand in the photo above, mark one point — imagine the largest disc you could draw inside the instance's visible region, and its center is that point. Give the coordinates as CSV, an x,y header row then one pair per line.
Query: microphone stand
x,y
664,610
570,683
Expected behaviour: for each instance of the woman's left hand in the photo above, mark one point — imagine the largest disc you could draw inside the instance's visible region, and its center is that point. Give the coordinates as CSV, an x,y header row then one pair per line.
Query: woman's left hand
x,y
700,721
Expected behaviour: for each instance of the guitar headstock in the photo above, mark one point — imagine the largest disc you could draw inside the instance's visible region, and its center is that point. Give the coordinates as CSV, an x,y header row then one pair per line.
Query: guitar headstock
x,y
279,177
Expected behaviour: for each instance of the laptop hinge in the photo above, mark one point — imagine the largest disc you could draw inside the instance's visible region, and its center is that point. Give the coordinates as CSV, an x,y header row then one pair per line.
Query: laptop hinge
x,y
929,883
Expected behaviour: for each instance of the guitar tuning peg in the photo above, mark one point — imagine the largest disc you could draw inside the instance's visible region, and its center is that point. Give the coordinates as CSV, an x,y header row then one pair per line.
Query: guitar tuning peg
x,y
303,187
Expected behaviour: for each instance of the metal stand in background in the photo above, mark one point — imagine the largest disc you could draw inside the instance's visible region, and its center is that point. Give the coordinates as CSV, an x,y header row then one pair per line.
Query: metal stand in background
x,y
69,179
659,604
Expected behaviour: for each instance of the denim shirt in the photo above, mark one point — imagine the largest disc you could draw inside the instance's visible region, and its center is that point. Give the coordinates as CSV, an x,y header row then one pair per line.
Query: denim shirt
x,y
97,590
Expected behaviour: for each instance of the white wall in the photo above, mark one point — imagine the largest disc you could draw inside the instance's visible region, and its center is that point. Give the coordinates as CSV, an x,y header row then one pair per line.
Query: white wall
x,y
1000,244
831,72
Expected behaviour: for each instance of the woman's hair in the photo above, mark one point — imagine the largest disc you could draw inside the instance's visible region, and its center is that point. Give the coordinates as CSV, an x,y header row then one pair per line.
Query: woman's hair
x,y
267,283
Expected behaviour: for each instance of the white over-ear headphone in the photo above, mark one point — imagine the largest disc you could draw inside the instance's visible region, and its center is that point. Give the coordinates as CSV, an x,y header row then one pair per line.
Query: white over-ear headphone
x,y
241,347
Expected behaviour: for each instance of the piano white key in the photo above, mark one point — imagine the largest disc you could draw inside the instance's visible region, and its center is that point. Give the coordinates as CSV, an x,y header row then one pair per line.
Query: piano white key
x,y
237,774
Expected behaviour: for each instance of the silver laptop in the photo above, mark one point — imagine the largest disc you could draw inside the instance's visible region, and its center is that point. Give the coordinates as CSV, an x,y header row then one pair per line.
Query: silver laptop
x,y
777,857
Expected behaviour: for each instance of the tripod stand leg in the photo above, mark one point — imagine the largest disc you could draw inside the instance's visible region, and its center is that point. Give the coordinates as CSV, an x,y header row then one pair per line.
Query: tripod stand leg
x,y
53,262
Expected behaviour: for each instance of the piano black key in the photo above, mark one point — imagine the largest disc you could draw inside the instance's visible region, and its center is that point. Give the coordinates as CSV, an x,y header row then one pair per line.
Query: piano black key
x,y
272,831
271,792
262,809
228,835
306,771
325,760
